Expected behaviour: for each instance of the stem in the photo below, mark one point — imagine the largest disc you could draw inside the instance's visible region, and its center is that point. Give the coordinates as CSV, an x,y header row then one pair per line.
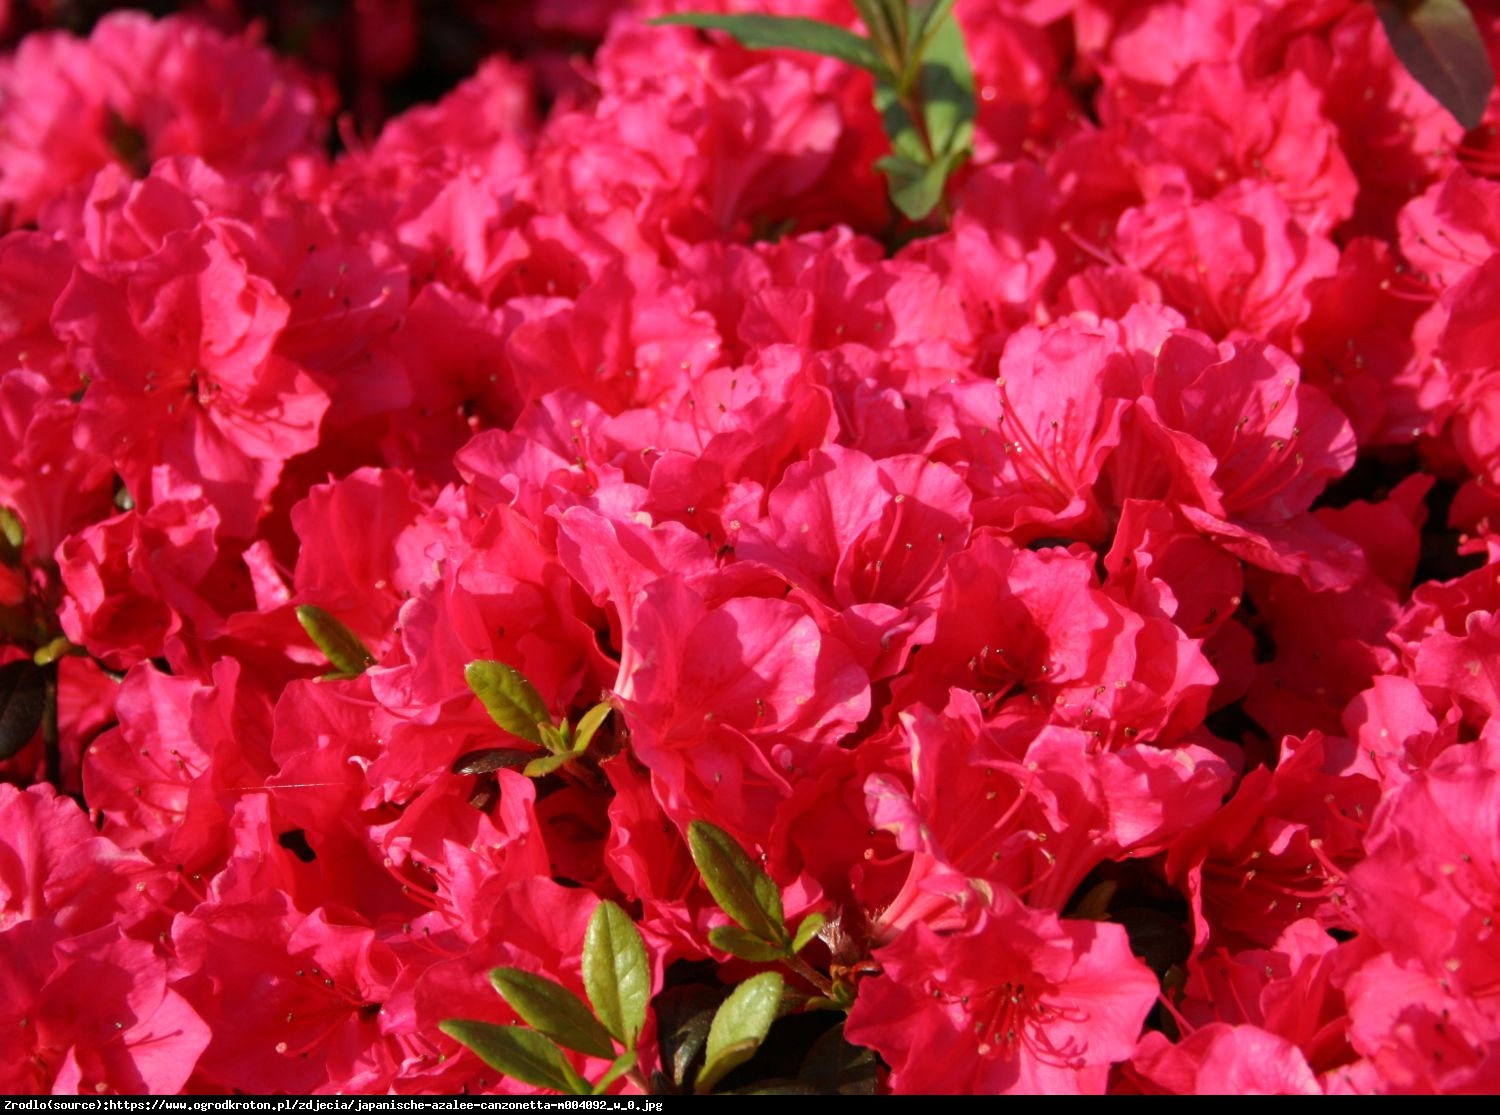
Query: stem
x,y
811,975
635,1077
52,750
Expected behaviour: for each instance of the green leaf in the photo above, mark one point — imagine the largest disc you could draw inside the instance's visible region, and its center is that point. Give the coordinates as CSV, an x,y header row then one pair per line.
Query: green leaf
x,y
621,1065
900,126
915,189
588,724
929,17
524,1054
737,942
947,86
555,739
339,645
546,764
766,32
834,1067
12,535
58,648
550,1007
1439,44
886,22
23,700
739,886
616,972
510,699
740,1025
683,1016
810,927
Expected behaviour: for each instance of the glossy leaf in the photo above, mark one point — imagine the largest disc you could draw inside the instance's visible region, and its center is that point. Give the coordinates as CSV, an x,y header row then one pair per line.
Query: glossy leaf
x,y
12,535
738,942
510,699
616,972
526,1055
1440,46
683,1017
339,645
555,739
23,700
765,32
546,764
740,1025
588,724
810,927
739,886
551,1008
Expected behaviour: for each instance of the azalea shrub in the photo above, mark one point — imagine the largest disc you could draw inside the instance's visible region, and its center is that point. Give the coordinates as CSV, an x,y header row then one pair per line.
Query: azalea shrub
x,y
688,563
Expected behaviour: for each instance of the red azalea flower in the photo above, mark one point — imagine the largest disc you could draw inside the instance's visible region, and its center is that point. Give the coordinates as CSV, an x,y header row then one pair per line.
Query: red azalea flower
x,y
1018,1002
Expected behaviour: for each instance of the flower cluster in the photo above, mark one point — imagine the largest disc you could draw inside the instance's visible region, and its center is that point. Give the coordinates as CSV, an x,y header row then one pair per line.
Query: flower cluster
x,y
1086,600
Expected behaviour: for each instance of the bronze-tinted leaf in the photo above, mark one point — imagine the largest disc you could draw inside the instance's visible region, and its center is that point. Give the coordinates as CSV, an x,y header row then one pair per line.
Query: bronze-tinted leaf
x,y
23,699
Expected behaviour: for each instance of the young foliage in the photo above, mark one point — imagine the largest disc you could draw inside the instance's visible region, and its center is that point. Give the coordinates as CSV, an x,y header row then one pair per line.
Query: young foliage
x,y
739,1026
739,886
515,705
342,647
511,700
924,84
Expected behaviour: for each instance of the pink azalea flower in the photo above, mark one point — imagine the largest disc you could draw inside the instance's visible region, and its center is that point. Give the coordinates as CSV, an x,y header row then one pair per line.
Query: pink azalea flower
x,y
1017,1002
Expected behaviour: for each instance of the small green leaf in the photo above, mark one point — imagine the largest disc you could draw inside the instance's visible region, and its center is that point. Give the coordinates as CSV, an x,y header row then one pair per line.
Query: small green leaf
x,y
621,1065
510,699
616,972
1440,46
58,648
550,1007
518,1052
810,927
555,739
339,645
12,534
947,85
546,764
766,32
588,724
23,700
737,942
739,1026
739,886
915,189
